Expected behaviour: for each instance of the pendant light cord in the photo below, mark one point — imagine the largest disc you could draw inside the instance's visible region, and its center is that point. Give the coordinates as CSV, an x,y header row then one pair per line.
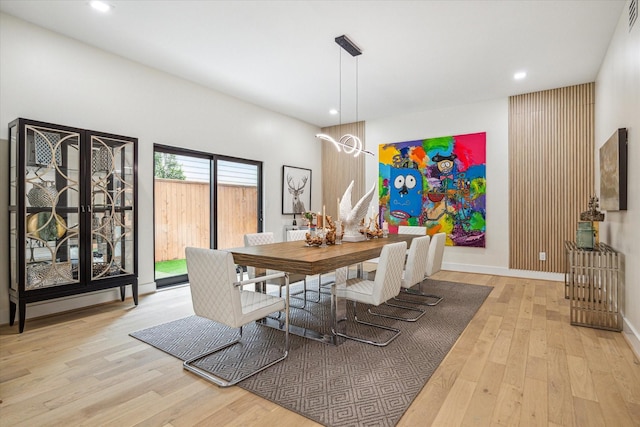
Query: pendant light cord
x,y
348,143
356,90
340,87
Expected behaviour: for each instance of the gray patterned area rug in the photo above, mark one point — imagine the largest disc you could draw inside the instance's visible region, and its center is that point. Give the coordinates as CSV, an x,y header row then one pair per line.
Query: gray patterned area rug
x,y
351,384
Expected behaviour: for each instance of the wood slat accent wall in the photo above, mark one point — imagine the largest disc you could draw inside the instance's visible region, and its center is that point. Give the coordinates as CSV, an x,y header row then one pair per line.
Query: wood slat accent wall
x,y
339,169
182,211
551,173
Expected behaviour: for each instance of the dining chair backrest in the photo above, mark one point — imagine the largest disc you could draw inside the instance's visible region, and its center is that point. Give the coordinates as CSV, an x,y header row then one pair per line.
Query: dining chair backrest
x,y
265,238
416,263
412,229
211,276
294,235
255,239
388,280
436,252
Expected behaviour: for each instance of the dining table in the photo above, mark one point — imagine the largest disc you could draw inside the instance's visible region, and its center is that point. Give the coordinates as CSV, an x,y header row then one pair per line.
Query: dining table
x,y
297,257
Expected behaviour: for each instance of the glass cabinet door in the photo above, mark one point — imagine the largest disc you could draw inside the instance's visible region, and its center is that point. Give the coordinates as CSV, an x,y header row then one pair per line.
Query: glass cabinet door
x,y
13,212
52,214
112,206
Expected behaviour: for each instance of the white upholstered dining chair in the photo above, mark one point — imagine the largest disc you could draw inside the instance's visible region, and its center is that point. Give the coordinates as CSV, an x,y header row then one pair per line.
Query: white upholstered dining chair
x,y
370,266
433,265
254,239
295,235
434,261
385,286
217,295
413,274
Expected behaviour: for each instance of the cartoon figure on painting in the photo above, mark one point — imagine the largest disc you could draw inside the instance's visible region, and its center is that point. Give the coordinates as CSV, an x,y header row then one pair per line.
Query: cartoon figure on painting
x,y
405,193
445,165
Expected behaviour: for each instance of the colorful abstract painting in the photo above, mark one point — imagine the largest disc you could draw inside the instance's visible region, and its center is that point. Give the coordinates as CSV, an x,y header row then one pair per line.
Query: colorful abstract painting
x,y
438,183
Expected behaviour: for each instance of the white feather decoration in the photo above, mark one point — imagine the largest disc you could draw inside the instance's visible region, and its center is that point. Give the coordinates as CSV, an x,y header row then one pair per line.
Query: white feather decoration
x,y
352,216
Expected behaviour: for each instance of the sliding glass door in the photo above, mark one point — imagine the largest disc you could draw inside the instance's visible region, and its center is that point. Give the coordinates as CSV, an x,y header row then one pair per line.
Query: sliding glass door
x,y
238,201
201,200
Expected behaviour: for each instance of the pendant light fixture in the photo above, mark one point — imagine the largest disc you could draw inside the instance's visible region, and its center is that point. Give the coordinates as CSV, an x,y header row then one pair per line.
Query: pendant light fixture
x,y
348,143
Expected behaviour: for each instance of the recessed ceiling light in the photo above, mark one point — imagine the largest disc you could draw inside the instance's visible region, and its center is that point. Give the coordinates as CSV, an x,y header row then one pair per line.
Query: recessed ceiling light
x,y
333,111
100,6
520,75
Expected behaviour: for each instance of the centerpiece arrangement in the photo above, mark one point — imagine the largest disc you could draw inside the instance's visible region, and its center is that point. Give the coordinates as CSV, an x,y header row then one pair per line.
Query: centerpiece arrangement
x,y
352,225
321,232
372,229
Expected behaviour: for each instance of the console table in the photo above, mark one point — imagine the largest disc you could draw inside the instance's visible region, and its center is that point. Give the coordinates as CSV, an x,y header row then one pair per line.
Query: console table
x,y
592,281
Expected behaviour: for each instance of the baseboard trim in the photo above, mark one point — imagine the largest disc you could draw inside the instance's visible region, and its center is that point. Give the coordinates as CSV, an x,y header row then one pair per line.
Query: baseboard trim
x,y
631,336
503,271
74,302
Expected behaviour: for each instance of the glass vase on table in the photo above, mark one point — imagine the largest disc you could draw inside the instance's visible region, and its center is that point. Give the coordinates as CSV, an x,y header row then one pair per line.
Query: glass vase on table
x,y
339,232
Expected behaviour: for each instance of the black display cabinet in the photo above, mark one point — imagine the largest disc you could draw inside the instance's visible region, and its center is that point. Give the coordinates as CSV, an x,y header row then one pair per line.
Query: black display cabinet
x,y
72,213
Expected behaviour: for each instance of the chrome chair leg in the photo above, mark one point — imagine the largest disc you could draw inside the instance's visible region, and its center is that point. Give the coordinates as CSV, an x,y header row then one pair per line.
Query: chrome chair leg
x,y
319,291
419,293
225,382
404,307
304,299
397,332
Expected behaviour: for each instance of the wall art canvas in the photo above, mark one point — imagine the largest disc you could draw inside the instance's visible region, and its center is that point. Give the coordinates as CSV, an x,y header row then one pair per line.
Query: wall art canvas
x,y
613,172
296,190
438,183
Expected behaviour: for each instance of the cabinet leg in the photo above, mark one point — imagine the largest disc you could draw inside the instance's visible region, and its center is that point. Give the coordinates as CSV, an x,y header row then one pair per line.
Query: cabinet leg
x,y
12,312
22,316
122,292
134,290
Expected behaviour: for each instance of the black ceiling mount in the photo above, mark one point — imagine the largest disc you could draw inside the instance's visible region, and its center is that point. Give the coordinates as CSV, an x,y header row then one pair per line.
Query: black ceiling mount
x,y
348,45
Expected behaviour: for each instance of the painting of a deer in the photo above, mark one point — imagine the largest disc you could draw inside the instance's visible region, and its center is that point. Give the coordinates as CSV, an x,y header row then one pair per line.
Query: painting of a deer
x,y
296,190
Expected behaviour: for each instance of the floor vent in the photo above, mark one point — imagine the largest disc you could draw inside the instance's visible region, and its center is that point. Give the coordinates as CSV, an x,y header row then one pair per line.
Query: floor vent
x,y
633,13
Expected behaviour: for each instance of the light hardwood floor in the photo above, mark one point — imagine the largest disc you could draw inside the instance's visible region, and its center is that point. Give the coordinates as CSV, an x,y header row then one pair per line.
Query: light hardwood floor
x,y
519,362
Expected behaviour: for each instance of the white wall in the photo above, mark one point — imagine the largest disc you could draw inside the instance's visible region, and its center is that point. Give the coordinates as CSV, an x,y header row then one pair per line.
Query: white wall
x,y
491,117
618,106
52,78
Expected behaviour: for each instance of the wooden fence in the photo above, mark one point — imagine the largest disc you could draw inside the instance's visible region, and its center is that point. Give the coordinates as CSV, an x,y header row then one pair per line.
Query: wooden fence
x,y
182,216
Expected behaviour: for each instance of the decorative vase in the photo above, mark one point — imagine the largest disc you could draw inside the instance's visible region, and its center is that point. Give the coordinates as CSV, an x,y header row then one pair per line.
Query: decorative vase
x,y
42,196
95,228
339,232
40,226
585,235
100,160
314,238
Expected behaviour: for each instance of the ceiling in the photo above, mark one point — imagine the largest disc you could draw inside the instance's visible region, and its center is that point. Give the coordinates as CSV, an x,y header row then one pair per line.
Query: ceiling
x,y
281,55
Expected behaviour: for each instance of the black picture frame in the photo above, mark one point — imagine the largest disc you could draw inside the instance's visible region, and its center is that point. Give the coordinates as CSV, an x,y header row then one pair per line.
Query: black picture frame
x,y
613,172
296,190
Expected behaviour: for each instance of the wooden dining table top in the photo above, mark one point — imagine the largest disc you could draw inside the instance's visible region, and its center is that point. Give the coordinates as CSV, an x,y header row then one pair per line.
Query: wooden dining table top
x,y
297,257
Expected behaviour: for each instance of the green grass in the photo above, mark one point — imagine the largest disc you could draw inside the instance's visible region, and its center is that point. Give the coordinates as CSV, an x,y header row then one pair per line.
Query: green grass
x,y
174,267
